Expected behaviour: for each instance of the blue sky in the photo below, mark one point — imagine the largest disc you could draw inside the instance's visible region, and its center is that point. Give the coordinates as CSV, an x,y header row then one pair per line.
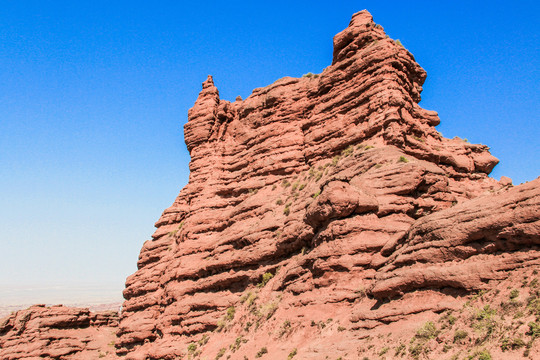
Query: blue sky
x,y
93,97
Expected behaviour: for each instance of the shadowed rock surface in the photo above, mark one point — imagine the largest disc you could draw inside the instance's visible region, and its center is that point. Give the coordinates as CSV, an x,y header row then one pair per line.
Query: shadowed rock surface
x,y
325,216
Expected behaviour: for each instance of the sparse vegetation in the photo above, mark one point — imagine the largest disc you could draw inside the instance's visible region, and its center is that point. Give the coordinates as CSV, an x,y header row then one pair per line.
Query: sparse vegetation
x,y
384,350
266,311
403,159
460,335
400,350
292,354
480,355
204,340
514,343
249,298
285,183
287,209
220,353
348,151
534,330
317,193
230,313
261,352
285,327
279,202
514,294
237,343
191,348
265,279
427,331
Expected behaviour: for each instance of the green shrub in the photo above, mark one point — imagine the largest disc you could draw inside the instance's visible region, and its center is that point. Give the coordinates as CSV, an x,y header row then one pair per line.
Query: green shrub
x,y
249,298
317,193
513,344
192,347
480,355
534,330
265,279
400,350
514,294
403,159
460,335
230,313
428,331
237,343
416,350
287,209
220,353
261,352
348,151
204,340
292,354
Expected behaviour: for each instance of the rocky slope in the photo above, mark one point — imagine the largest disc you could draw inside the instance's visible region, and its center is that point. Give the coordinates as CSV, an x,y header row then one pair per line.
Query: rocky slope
x,y
326,218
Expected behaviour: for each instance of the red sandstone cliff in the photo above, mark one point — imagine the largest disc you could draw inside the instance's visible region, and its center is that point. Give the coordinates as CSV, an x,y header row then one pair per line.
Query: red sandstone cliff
x,y
312,193
325,216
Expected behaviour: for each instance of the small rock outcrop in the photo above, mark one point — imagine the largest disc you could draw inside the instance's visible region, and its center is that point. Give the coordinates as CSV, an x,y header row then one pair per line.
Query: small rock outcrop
x,y
58,332
325,217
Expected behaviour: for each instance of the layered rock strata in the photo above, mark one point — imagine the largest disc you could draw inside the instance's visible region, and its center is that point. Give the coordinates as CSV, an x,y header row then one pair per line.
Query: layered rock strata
x,y
326,197
324,217
58,332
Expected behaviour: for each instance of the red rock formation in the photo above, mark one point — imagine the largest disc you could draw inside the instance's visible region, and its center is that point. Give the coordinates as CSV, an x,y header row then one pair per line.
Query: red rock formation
x,y
326,197
58,332
326,217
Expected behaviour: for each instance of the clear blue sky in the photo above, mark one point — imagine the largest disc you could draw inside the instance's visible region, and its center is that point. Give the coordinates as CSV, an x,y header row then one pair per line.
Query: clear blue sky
x,y
94,94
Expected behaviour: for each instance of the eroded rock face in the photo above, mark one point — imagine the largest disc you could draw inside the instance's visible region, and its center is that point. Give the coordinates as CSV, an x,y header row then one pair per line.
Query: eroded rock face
x,y
58,332
325,216
324,202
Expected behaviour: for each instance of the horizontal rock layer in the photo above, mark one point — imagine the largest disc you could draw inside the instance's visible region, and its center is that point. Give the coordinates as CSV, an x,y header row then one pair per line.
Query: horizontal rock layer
x,y
58,332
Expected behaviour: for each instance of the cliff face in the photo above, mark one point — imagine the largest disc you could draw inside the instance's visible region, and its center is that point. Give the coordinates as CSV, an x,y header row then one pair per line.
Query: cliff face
x,y
325,217
324,202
